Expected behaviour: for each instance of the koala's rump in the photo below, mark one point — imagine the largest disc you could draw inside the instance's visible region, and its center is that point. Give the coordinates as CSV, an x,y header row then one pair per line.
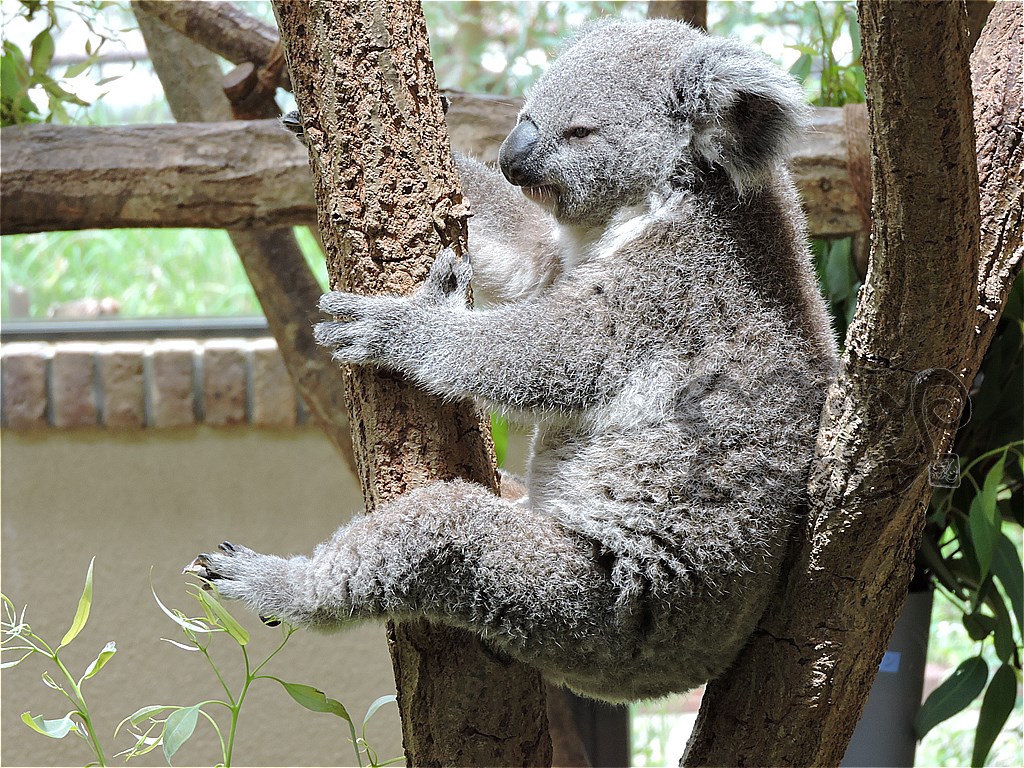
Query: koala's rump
x,y
689,528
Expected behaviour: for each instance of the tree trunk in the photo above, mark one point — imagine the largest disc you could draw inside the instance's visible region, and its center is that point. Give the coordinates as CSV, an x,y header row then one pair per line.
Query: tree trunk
x,y
694,12
796,693
243,174
273,261
388,199
997,77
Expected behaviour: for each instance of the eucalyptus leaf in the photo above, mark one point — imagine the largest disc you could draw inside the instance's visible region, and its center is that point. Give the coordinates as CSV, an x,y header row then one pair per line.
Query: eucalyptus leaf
x,y
82,614
1006,567
225,619
314,699
49,682
16,662
108,651
372,709
179,727
192,625
74,70
42,51
979,625
984,524
139,715
183,646
55,729
1003,640
956,692
995,709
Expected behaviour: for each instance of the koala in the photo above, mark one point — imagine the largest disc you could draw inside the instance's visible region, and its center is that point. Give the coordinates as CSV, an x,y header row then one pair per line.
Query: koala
x,y
653,313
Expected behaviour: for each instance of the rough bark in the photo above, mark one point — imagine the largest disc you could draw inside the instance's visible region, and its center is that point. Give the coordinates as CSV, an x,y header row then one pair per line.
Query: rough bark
x,y
244,174
997,76
389,200
230,175
693,12
273,261
221,27
796,693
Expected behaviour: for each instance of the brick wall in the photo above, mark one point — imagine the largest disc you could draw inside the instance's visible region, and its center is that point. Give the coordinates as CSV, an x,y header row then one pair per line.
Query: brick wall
x,y
155,384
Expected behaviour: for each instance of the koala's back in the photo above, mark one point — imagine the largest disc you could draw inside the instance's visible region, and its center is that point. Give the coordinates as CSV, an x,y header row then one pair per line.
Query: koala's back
x,y
690,474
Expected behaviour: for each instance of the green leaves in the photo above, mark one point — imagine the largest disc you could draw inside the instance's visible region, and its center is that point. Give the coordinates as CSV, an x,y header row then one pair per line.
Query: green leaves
x,y
179,727
220,616
1006,567
956,692
105,655
314,699
42,51
984,518
15,81
377,704
188,625
55,729
995,709
82,614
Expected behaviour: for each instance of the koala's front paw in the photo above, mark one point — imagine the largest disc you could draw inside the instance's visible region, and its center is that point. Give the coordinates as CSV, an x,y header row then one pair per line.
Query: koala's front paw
x,y
361,333
448,281
238,573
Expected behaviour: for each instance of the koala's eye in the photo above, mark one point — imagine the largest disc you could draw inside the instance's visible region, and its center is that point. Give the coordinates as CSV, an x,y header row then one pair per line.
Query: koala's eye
x,y
578,132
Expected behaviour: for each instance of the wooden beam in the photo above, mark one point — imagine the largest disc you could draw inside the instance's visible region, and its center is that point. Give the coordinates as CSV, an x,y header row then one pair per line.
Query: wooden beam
x,y
242,174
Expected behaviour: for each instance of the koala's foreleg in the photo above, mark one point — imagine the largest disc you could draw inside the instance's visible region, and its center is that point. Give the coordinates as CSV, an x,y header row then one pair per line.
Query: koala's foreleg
x,y
541,354
452,552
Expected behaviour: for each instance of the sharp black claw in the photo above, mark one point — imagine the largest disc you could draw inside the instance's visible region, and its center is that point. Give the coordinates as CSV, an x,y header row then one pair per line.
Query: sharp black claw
x,y
200,568
270,622
227,546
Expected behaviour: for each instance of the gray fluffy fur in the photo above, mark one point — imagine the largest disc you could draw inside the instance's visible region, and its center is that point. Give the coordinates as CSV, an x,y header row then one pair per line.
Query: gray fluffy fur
x,y
657,320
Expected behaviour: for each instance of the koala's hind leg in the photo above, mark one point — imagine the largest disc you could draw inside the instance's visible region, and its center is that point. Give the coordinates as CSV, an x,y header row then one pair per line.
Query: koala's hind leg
x,y
452,552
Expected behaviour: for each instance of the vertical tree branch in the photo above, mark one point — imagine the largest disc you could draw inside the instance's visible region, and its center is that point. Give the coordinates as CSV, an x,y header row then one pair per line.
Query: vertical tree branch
x,y
388,199
997,76
796,693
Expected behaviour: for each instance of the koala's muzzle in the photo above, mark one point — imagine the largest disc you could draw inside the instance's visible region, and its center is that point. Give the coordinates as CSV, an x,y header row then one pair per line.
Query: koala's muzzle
x,y
514,155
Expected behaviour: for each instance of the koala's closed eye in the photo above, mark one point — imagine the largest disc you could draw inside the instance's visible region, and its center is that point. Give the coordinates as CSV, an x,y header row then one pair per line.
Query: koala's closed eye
x,y
579,132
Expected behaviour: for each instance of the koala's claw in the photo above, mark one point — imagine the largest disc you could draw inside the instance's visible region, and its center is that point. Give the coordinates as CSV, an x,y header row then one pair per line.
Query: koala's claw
x,y
203,568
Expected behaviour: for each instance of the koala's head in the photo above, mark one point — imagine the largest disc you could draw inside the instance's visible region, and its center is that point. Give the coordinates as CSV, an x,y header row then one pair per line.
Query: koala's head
x,y
634,108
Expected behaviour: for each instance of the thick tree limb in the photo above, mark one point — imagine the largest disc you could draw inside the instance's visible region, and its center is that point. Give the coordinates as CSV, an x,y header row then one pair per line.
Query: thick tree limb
x,y
243,174
229,175
388,201
282,280
795,695
997,73
221,27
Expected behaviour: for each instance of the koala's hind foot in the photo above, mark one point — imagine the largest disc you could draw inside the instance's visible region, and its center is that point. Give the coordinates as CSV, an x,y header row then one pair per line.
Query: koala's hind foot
x,y
265,583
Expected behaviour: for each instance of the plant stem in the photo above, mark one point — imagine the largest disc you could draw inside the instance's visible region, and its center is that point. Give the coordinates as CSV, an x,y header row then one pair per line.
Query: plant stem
x,y
236,708
227,691
82,712
216,727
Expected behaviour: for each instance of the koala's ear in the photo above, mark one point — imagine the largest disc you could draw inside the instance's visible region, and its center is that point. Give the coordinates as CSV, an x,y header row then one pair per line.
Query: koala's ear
x,y
742,111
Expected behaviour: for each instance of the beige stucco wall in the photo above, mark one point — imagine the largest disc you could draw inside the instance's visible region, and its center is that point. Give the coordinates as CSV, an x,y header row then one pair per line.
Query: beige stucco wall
x,y
151,500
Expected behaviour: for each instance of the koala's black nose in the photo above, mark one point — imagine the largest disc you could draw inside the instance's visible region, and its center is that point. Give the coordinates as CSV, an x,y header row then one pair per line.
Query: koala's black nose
x,y
515,151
